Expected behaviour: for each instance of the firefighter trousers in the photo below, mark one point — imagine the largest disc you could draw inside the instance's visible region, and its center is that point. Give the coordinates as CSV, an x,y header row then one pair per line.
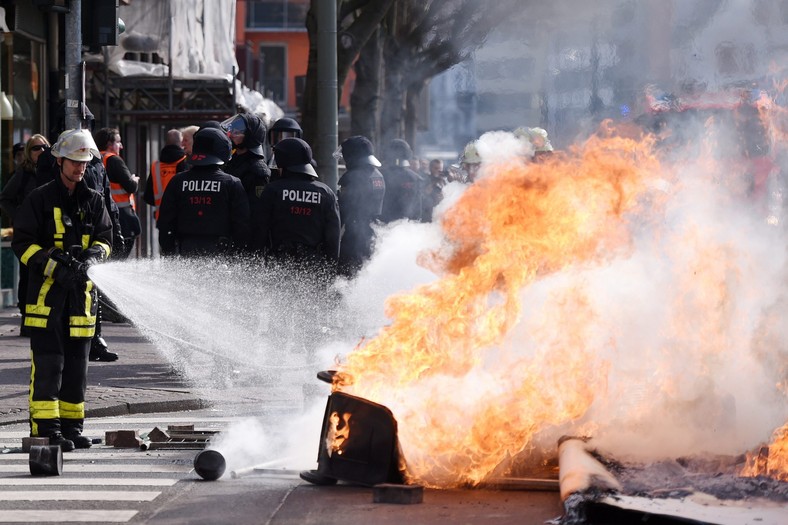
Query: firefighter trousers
x,y
58,380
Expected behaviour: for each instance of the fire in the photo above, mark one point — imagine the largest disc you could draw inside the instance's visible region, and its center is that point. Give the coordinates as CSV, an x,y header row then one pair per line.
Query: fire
x,y
466,394
338,432
771,460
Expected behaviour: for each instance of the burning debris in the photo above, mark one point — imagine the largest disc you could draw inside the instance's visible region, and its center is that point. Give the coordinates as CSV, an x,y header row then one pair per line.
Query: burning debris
x,y
609,290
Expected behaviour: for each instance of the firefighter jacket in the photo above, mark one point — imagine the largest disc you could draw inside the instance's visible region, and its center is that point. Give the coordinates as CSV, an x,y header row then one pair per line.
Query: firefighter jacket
x,y
51,218
298,215
203,211
403,194
172,160
254,174
361,193
122,187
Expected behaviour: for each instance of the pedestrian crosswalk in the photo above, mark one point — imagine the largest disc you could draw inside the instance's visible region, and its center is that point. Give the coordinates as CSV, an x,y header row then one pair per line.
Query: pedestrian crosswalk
x,y
101,484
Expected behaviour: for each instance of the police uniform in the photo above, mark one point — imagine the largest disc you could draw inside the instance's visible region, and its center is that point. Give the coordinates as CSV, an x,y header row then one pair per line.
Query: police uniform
x,y
298,216
61,314
250,166
403,185
361,194
204,211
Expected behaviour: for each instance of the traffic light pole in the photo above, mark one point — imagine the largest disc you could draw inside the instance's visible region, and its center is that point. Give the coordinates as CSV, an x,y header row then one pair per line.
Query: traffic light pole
x,y
73,56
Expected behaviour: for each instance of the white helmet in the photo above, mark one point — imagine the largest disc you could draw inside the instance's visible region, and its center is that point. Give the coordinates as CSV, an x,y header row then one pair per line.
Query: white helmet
x,y
536,136
470,155
77,145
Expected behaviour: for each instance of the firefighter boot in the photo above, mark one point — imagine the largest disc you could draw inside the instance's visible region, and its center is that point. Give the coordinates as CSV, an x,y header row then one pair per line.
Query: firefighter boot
x,y
72,430
98,346
51,428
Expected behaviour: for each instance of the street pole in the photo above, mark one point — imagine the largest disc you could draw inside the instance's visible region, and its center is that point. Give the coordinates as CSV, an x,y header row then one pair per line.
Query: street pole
x,y
73,57
327,102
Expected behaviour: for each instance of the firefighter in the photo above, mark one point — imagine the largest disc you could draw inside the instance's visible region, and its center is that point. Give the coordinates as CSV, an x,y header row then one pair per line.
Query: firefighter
x,y
123,186
299,217
403,185
204,211
61,229
247,133
470,162
172,160
537,140
361,193
96,178
283,128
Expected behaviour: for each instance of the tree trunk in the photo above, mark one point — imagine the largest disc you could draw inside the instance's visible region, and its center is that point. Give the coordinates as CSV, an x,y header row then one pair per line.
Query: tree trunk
x,y
364,101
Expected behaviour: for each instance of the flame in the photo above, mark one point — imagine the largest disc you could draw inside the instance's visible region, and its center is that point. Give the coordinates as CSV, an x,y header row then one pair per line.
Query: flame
x,y
437,366
771,460
338,432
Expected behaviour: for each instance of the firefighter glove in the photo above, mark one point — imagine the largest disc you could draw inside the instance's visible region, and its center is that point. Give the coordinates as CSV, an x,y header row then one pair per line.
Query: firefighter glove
x,y
63,274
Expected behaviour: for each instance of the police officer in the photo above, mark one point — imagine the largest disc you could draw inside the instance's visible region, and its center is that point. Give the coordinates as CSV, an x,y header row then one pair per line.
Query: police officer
x,y
403,185
283,128
299,217
247,133
60,230
204,211
361,193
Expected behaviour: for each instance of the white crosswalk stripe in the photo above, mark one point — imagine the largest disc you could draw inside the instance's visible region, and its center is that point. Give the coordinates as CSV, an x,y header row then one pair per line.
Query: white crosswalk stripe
x,y
113,483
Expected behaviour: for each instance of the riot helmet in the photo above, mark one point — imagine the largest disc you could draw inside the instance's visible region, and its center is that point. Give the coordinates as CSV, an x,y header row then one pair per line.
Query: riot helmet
x,y
77,145
284,128
294,155
357,150
399,152
247,131
211,147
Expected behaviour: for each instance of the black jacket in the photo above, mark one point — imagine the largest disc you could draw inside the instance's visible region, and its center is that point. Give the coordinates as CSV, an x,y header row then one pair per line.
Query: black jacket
x,y
253,172
18,187
204,211
51,218
361,194
298,215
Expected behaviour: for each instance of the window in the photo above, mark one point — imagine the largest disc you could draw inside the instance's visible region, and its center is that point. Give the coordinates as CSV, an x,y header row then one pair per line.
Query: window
x,y
274,59
289,15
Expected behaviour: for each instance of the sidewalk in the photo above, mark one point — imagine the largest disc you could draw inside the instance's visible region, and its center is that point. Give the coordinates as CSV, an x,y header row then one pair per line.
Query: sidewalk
x,y
140,381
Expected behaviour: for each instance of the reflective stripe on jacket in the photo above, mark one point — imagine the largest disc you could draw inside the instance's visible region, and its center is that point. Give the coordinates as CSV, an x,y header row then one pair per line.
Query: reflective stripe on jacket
x,y
121,197
162,172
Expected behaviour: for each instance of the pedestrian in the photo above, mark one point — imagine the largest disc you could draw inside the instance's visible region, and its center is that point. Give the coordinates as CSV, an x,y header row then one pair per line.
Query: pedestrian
x,y
247,133
298,219
21,184
204,211
403,185
283,128
361,194
172,160
61,229
188,139
432,191
123,186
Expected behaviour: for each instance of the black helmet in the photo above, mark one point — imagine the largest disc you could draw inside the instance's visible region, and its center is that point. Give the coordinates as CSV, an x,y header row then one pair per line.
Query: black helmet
x,y
211,147
252,128
283,128
358,150
295,155
399,152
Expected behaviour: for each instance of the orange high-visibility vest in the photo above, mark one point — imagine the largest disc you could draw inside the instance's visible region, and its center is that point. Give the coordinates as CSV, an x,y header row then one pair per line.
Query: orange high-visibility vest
x,y
121,197
162,173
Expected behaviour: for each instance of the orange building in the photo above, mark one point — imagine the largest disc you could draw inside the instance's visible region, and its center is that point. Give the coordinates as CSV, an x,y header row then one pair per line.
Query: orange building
x,y
272,47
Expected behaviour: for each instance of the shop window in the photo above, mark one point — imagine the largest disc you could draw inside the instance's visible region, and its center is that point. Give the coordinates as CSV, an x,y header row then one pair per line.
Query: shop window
x,y
289,15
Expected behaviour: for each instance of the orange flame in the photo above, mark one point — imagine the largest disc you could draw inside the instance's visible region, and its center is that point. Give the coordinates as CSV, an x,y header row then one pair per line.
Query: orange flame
x,y
771,460
436,366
